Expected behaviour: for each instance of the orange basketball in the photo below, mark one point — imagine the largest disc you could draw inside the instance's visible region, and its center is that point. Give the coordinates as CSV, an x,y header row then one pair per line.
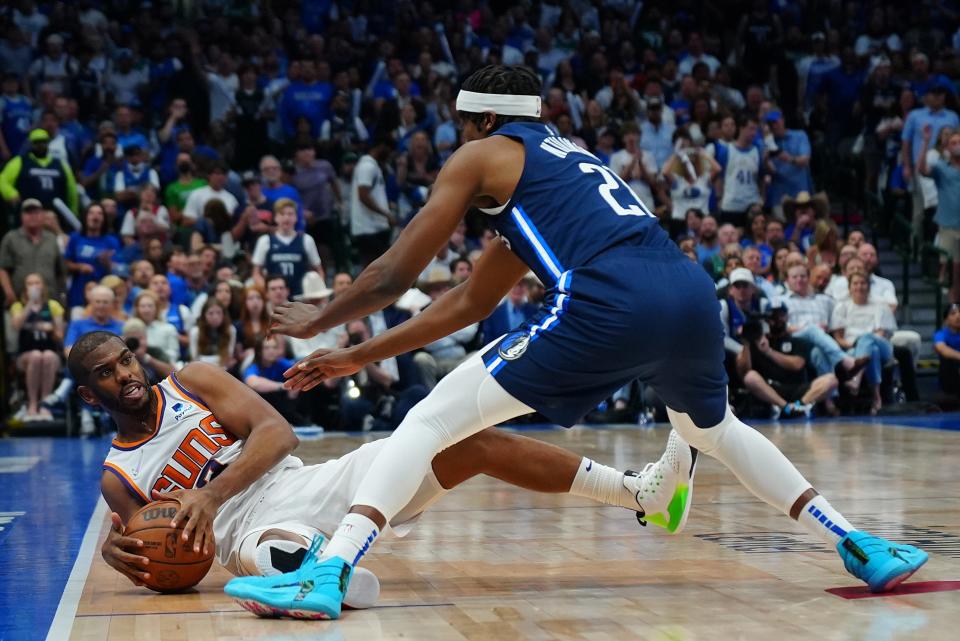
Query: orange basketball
x,y
174,566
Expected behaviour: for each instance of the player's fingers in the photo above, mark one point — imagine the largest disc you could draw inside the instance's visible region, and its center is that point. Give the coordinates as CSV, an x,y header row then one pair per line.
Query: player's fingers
x,y
137,576
313,382
207,538
190,526
125,542
133,560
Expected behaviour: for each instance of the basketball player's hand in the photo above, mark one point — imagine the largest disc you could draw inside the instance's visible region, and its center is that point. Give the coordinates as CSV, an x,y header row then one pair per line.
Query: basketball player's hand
x,y
322,365
119,552
198,508
294,319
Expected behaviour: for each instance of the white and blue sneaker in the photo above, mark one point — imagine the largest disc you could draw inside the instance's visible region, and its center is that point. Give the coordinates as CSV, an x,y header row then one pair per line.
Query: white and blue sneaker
x,y
315,590
664,490
881,564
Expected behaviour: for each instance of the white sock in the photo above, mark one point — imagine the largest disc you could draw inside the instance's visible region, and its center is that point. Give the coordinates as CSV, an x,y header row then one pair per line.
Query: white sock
x,y
602,484
352,539
823,521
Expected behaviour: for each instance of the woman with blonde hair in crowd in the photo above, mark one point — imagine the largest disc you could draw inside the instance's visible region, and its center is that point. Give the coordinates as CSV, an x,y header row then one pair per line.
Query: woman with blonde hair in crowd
x,y
38,322
120,292
214,338
825,248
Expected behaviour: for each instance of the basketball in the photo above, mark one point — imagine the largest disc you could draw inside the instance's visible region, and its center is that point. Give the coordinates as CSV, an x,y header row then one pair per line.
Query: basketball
x,y
174,566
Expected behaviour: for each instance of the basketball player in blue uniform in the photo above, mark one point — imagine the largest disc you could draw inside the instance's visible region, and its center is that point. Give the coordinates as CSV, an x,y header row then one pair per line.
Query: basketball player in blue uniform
x,y
623,303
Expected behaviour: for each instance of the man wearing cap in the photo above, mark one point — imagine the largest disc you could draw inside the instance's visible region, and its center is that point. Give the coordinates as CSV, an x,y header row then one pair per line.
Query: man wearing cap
x,y
937,116
741,302
315,292
773,367
29,249
789,162
36,175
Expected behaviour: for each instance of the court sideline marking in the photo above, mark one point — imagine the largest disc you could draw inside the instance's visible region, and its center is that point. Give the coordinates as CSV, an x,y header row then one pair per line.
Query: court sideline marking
x,y
62,622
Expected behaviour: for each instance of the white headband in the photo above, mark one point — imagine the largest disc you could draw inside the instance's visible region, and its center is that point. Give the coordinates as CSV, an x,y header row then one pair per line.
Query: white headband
x,y
499,103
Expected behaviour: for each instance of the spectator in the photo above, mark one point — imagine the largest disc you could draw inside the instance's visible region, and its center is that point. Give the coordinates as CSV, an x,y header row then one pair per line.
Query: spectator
x,y
214,338
252,116
510,314
637,167
88,254
125,81
316,180
306,97
773,368
120,292
275,189
740,303
253,324
277,291
36,175
216,188
341,282
16,114
729,246
315,292
752,260
946,342
99,173
689,173
161,335
38,321
174,313
789,160
656,136
54,69
923,81
709,244
265,376
741,177
148,207
946,175
461,268
809,317
287,251
824,250
371,219
134,174
937,116
152,360
101,318
813,68
803,212
440,357
30,249
864,329
881,289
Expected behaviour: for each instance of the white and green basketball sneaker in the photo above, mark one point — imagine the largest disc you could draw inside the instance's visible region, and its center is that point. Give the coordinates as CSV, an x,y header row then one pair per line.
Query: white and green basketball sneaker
x,y
664,489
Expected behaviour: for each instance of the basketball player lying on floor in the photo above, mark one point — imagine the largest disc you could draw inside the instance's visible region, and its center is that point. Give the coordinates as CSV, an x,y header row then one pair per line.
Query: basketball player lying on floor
x,y
205,439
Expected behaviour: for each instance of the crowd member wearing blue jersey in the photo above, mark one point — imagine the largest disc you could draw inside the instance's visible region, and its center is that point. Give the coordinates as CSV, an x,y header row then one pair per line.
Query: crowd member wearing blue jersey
x,y
16,115
558,211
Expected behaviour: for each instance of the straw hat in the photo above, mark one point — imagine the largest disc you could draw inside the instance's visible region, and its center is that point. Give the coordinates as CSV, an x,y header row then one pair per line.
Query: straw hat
x,y
819,202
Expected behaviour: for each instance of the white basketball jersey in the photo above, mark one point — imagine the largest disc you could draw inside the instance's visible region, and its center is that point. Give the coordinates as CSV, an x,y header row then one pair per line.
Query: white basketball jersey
x,y
187,449
740,188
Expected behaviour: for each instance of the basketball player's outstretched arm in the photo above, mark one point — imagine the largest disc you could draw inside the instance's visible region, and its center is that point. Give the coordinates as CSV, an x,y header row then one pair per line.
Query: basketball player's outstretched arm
x,y
267,437
475,169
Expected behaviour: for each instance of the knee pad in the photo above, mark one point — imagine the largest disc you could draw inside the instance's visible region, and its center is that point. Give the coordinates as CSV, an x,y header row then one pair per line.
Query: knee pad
x,y
246,551
705,439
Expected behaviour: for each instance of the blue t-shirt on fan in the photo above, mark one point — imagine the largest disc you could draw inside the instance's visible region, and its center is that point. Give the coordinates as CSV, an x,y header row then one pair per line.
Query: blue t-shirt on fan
x,y
949,337
271,372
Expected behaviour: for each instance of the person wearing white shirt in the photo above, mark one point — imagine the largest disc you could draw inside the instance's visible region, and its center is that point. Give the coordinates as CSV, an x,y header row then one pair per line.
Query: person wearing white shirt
x,y
808,317
223,88
864,329
695,54
370,215
193,209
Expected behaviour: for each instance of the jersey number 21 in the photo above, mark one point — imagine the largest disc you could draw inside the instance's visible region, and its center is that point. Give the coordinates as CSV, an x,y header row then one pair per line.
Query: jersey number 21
x,y
612,182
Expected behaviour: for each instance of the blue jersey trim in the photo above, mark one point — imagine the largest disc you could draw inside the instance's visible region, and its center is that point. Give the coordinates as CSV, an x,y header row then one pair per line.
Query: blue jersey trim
x,y
548,323
532,234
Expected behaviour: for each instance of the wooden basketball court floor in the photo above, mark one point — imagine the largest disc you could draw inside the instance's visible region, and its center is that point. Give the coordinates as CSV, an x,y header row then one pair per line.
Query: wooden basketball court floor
x,y
492,562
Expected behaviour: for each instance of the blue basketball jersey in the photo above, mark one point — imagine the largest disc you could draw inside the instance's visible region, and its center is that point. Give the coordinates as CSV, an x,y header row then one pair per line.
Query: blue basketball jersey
x,y
568,207
289,259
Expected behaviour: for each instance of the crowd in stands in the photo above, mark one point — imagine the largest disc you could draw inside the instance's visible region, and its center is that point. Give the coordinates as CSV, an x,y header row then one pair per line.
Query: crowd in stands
x,y
173,171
